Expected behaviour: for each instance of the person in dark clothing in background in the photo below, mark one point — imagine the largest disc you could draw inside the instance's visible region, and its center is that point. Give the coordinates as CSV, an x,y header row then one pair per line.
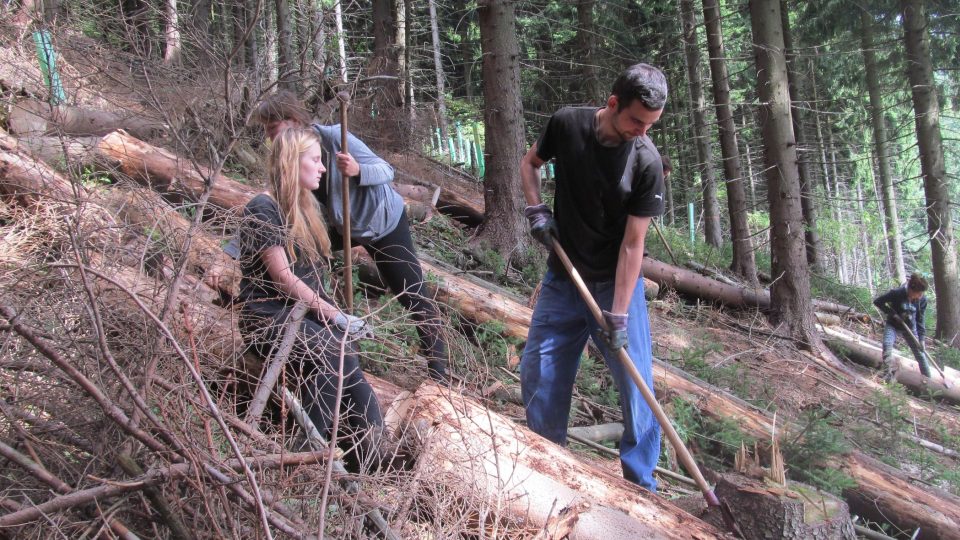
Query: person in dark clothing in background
x,y
904,305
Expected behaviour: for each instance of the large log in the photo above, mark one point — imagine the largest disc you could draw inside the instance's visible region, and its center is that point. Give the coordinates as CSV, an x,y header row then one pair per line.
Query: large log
x,y
869,353
164,171
27,180
528,478
148,212
695,284
35,118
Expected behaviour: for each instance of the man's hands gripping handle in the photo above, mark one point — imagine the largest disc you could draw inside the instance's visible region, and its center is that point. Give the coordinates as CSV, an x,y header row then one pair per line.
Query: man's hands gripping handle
x,y
544,228
542,225
615,333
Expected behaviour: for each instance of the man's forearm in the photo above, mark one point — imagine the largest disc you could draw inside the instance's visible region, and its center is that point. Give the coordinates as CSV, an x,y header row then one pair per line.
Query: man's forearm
x,y
628,273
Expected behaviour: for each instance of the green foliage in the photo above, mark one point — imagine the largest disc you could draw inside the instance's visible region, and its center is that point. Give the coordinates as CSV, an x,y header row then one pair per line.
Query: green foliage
x,y
947,356
807,454
717,439
843,293
491,338
92,179
730,375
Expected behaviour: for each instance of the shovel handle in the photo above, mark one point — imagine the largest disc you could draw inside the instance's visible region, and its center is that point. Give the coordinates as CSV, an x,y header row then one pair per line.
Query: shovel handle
x,y
345,192
683,454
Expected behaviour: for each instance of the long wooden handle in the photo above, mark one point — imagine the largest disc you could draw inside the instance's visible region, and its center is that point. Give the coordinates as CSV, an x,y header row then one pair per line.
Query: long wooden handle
x,y
682,452
345,192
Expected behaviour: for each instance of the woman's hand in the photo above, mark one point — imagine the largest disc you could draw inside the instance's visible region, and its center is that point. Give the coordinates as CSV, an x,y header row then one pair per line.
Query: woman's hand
x,y
355,327
347,165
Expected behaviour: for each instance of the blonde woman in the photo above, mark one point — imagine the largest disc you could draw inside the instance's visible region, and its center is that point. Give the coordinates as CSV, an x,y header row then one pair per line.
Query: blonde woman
x,y
284,245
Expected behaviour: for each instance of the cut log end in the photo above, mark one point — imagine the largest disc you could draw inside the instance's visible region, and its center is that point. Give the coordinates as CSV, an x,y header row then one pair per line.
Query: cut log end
x,y
767,510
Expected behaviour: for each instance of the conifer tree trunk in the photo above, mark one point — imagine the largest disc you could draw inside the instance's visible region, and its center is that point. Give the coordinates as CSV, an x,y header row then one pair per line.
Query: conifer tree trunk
x,y
807,189
171,33
466,57
438,67
881,149
743,262
504,228
711,206
341,39
387,50
252,46
407,70
318,41
790,292
943,245
592,91
285,60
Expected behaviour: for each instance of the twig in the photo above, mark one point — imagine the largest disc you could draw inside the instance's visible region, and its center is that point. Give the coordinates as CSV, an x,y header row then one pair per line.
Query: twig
x,y
316,441
275,364
112,410
201,385
173,522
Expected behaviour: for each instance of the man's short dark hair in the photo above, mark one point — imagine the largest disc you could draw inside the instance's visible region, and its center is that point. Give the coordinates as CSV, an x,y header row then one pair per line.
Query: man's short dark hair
x,y
279,106
917,283
643,82
667,165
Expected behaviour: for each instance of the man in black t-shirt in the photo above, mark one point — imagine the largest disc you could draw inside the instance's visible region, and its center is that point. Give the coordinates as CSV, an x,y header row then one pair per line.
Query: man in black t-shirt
x,y
609,184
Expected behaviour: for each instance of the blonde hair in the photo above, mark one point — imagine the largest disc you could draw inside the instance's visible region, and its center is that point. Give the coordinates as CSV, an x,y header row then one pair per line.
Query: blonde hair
x,y
305,224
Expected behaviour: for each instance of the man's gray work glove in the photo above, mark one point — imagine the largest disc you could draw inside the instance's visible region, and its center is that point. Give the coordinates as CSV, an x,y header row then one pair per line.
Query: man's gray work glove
x,y
355,327
542,225
615,335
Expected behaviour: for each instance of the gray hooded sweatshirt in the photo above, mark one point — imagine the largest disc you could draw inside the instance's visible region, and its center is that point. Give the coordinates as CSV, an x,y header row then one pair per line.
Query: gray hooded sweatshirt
x,y
375,207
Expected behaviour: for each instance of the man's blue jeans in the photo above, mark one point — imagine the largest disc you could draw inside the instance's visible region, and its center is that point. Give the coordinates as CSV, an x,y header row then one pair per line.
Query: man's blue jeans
x,y
558,332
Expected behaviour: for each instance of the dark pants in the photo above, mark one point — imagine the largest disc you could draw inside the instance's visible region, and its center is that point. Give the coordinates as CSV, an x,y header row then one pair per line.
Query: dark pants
x,y
890,331
314,362
399,268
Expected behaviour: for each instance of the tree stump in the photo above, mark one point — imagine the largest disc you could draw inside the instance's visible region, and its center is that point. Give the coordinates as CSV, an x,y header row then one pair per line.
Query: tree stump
x,y
765,510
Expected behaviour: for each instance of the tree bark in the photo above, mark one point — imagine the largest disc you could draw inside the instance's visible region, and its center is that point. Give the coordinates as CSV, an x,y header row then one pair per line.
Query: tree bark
x,y
791,289
807,189
438,69
35,118
943,244
171,34
504,228
387,51
743,261
591,91
286,64
527,477
881,148
711,205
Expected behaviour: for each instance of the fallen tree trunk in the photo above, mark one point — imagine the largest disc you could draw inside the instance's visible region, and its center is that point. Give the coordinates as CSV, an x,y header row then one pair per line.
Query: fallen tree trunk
x,y
166,172
869,353
147,211
522,477
695,284
457,199
35,118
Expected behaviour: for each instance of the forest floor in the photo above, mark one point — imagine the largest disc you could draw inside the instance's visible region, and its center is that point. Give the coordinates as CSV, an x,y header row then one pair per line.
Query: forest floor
x,y
736,350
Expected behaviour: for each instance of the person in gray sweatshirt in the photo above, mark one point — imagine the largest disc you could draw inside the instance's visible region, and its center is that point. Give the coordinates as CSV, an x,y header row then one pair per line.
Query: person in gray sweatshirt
x,y
378,218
